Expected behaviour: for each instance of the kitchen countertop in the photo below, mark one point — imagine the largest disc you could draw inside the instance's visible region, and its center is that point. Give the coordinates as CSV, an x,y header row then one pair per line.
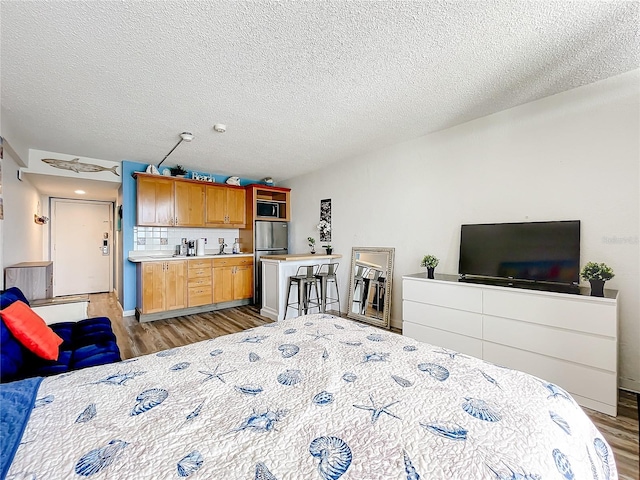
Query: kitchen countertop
x,y
160,258
291,257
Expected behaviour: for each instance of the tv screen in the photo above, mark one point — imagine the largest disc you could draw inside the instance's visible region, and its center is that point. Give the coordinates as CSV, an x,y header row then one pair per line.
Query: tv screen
x,y
532,251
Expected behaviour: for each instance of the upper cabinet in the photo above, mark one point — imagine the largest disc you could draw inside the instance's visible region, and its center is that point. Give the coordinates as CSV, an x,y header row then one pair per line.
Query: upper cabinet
x,y
225,206
189,204
176,202
268,203
155,200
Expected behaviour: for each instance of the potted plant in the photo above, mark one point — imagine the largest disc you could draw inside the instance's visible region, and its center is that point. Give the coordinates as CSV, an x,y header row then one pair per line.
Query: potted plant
x,y
597,274
312,244
431,263
178,171
328,248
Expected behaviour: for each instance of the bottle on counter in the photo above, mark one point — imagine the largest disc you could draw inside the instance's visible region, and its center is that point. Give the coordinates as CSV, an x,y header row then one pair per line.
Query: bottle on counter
x,y
236,246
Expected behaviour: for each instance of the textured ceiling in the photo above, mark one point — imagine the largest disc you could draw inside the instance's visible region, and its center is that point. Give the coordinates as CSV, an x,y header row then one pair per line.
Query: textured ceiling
x,y
299,85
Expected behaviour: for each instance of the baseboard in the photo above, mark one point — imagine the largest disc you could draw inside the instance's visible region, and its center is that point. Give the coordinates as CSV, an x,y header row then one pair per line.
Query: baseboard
x,y
127,313
629,386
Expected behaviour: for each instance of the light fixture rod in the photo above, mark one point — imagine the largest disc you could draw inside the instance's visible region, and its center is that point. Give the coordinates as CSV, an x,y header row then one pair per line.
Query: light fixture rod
x,y
183,136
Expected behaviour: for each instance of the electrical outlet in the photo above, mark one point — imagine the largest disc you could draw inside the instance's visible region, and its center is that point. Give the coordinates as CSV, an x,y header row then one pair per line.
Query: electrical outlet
x,y
220,240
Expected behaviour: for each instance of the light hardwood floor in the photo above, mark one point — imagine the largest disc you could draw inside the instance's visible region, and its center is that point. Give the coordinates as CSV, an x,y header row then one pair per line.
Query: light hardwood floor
x,y
135,339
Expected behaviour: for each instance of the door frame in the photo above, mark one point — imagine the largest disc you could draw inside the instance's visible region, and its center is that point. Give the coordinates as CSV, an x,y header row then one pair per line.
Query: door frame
x,y
112,243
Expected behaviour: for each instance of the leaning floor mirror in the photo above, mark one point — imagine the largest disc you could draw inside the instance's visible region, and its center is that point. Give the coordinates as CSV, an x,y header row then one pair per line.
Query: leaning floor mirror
x,y
370,285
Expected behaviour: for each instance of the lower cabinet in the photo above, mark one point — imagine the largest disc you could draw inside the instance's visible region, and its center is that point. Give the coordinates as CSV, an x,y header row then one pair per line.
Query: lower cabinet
x,y
162,286
194,285
199,286
232,279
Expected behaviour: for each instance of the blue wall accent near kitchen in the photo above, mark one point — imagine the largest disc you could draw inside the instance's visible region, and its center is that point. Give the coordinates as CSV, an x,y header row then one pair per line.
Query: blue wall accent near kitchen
x,y
129,207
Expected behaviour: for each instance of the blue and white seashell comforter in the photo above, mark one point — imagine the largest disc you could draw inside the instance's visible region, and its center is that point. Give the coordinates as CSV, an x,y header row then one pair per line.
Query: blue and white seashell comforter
x,y
316,397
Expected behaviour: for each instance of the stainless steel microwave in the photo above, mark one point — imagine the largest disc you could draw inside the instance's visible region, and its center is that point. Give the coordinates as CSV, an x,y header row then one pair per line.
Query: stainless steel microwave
x,y
268,209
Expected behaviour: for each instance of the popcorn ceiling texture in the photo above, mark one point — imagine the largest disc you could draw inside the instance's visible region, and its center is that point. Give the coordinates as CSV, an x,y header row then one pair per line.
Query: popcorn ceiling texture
x,y
299,85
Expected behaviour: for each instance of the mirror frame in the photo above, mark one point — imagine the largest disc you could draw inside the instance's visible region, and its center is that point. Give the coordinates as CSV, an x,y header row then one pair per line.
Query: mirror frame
x,y
386,310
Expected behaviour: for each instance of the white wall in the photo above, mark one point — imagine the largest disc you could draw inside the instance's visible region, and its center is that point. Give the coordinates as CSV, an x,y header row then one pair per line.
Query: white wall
x,y
574,155
22,238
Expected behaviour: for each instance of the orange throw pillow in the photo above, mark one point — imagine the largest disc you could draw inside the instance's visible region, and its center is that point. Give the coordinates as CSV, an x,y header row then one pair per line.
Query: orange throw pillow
x,y
31,330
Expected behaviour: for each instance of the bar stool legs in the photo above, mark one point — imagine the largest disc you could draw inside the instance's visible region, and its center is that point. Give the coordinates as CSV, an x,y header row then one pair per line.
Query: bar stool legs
x,y
327,274
304,280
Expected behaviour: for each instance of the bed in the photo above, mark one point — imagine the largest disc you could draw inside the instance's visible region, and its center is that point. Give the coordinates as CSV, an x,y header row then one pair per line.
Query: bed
x,y
314,397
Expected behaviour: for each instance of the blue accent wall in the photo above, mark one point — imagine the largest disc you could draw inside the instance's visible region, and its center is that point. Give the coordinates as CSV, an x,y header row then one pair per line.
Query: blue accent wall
x,y
129,207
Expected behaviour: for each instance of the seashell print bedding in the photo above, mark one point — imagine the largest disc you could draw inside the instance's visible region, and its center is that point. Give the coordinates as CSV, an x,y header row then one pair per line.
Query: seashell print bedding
x,y
315,397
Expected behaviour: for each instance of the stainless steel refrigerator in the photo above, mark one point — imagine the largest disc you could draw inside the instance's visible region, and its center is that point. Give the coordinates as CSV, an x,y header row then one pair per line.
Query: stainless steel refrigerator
x,y
271,238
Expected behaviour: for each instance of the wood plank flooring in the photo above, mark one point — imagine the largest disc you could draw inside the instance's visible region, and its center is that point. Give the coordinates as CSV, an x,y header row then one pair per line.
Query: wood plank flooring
x,y
135,339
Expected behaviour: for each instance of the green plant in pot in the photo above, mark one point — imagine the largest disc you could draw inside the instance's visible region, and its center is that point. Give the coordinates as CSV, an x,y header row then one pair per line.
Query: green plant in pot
x,y
431,262
178,171
597,274
328,248
312,244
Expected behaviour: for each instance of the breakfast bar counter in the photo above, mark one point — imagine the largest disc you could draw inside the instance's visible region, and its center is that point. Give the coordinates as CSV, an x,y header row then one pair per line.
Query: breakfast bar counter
x,y
276,270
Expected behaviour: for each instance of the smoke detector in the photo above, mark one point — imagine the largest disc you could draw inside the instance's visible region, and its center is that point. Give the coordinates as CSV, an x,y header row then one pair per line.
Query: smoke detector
x,y
220,127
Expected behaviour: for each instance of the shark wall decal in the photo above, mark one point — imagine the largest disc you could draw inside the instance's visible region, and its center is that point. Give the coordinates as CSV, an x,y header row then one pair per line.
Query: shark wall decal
x,y
77,166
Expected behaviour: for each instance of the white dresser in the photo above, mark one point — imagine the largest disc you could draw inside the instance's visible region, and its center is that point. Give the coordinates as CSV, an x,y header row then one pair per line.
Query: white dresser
x,y
570,340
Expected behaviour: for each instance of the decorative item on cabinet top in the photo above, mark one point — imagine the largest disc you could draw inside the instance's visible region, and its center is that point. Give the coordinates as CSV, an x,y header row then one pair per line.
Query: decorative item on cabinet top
x,y
431,262
597,274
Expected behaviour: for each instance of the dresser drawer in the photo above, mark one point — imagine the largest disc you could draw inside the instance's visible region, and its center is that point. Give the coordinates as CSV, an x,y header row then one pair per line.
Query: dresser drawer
x,y
456,321
460,297
441,338
595,384
580,314
200,263
232,262
583,348
199,272
200,295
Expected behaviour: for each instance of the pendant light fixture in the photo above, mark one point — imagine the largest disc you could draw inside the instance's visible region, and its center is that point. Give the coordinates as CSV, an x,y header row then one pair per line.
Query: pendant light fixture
x,y
184,136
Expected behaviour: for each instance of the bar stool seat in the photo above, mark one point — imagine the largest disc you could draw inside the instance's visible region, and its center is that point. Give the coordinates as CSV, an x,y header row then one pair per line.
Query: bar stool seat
x,y
304,280
327,274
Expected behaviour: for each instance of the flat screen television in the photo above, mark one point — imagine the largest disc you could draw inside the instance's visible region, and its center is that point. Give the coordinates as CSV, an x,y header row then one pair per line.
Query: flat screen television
x,y
528,252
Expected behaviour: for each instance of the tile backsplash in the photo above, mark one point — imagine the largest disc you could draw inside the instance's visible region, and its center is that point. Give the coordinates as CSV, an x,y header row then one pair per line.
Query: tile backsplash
x,y
166,238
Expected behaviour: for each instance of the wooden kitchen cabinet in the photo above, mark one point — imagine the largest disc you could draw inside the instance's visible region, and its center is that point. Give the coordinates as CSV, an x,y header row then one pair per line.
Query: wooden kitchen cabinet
x,y
199,283
162,286
168,202
189,204
243,282
232,279
155,200
225,206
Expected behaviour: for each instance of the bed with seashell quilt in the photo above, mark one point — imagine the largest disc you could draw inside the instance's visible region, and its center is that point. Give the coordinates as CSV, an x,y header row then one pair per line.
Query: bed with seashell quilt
x,y
314,397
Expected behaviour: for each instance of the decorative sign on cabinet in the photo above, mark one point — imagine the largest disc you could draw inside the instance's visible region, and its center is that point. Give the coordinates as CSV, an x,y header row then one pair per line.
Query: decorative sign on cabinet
x,y
570,340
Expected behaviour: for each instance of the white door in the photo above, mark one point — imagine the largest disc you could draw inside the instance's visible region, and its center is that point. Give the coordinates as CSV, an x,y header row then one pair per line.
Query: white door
x,y
81,244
